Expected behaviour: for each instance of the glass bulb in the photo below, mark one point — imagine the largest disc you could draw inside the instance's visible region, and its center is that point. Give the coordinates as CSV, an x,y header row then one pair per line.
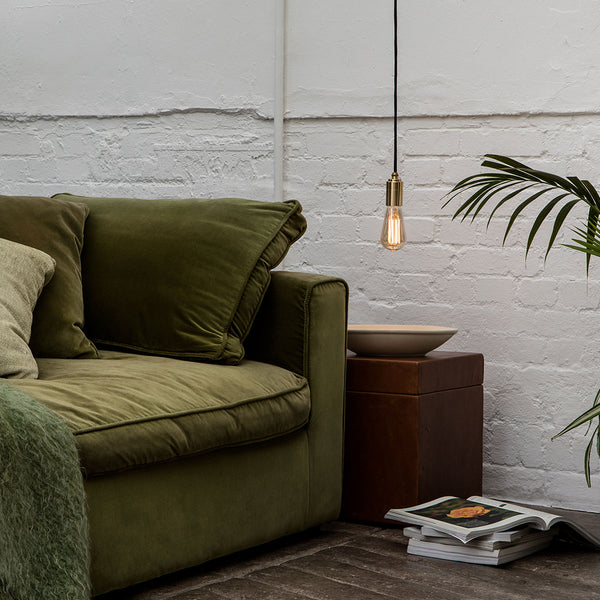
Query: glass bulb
x,y
393,235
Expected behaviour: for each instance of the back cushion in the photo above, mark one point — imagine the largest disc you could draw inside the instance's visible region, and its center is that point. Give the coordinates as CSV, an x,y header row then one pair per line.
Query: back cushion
x,y
56,228
181,278
23,273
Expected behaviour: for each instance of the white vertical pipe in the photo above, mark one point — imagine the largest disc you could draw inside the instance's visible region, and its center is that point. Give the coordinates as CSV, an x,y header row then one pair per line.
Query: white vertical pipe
x,y
279,99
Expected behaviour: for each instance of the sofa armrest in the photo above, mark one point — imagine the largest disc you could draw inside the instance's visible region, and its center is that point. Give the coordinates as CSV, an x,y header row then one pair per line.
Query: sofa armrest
x,y
281,333
301,326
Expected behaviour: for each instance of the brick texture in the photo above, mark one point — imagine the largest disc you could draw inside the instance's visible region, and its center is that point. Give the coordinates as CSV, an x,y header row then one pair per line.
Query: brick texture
x,y
535,322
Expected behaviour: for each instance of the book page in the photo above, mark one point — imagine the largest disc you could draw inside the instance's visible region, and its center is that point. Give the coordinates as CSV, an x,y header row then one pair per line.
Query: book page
x,y
460,518
542,519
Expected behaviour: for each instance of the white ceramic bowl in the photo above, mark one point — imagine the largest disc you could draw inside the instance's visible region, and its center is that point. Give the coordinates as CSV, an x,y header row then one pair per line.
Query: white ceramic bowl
x,y
397,340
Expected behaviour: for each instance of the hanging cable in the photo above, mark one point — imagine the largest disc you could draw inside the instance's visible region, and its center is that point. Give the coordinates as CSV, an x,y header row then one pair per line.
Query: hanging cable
x,y
395,86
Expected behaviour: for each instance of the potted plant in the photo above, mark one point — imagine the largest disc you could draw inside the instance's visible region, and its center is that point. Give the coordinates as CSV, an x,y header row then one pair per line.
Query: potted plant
x,y
509,180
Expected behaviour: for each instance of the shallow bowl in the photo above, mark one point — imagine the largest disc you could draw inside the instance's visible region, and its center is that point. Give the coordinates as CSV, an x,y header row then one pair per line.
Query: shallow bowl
x,y
397,340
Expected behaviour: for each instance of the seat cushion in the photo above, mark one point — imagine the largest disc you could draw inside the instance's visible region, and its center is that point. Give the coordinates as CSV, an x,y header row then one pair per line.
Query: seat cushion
x,y
181,278
130,411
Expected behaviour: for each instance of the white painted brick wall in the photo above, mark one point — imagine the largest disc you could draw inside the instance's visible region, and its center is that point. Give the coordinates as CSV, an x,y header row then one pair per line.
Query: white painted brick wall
x,y
175,155
536,324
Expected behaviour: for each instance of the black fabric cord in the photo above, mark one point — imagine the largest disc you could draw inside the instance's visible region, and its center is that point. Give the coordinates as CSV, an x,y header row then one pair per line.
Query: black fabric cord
x,y
395,86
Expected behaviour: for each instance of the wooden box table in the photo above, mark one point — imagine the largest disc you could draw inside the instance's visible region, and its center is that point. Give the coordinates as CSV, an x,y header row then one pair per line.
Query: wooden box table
x,y
414,429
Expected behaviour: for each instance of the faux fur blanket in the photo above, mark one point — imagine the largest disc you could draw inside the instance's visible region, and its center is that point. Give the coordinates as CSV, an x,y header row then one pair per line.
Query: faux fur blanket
x,y
43,527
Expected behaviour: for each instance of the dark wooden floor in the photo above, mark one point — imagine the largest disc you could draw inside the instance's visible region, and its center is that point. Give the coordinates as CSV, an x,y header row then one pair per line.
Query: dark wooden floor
x,y
345,561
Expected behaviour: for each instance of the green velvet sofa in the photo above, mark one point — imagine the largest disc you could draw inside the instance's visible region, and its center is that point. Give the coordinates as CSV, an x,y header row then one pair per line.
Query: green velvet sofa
x,y
190,453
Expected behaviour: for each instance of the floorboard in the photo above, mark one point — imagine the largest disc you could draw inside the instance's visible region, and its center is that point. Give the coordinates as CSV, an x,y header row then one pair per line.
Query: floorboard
x,y
349,561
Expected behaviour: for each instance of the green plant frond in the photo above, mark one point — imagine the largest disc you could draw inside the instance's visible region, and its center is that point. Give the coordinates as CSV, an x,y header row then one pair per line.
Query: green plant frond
x,y
585,243
582,191
484,199
592,192
588,249
507,198
473,199
481,179
510,178
587,456
472,181
560,182
467,180
511,162
510,172
558,222
590,422
513,170
588,415
592,234
541,218
520,209
527,174
516,174
584,235
596,402
473,184
570,184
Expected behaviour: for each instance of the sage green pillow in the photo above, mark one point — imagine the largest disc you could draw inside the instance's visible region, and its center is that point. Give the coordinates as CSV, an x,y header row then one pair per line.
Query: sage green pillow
x,y
181,278
24,271
56,228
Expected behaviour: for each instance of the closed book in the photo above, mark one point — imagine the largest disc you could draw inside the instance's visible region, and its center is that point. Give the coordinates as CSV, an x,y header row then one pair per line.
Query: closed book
x,y
510,535
484,543
466,553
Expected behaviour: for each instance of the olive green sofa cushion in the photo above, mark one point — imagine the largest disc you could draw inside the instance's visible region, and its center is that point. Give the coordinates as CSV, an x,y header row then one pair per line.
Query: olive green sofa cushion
x,y
181,278
129,411
55,227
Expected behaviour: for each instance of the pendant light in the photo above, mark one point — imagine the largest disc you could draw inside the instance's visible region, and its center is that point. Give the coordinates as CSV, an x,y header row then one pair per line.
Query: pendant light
x,y
393,235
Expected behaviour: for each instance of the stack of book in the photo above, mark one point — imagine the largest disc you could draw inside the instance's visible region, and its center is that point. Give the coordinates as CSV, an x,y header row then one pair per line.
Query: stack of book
x,y
479,530
493,549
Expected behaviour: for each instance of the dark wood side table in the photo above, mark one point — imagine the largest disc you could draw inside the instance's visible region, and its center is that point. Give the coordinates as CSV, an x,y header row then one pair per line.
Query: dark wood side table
x,y
414,431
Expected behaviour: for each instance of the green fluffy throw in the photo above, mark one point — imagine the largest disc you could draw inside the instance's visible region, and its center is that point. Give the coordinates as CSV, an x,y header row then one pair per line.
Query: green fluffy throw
x,y
43,527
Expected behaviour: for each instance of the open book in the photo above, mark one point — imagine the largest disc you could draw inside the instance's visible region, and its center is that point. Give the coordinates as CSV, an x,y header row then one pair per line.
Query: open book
x,y
469,519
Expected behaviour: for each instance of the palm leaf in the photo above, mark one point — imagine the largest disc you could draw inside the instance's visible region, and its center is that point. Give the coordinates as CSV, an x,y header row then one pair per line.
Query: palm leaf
x,y
520,209
540,219
587,417
477,197
558,222
506,199
587,456
484,199
506,173
592,192
571,184
588,240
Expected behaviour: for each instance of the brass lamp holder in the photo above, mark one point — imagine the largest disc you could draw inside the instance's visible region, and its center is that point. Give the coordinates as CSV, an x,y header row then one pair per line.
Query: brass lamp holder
x,y
393,192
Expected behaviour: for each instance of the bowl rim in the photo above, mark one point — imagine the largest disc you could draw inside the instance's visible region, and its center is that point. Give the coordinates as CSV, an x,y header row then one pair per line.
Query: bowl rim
x,y
400,329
